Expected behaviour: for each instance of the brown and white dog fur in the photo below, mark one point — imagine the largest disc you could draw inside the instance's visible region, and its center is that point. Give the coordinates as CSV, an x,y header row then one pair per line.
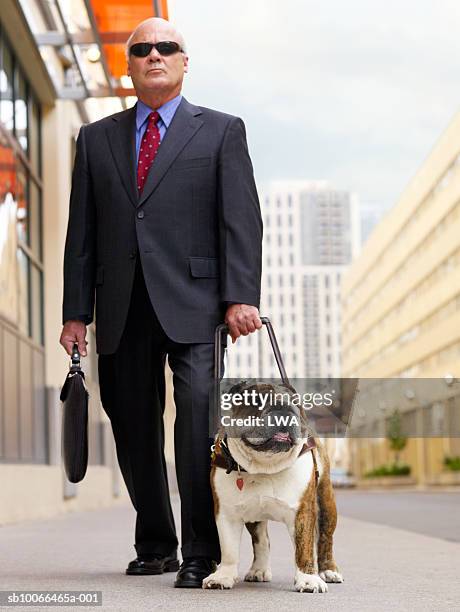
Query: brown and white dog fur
x,y
277,486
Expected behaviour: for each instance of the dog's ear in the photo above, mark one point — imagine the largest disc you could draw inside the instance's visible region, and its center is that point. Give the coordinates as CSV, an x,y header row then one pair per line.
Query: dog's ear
x,y
262,388
238,387
306,427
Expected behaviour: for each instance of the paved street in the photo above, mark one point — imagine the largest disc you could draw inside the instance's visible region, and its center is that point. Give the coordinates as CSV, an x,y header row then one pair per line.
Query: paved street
x,y
385,568
429,512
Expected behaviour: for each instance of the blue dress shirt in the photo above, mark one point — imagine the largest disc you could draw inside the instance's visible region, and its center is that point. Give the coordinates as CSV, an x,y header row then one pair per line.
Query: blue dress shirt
x,y
166,112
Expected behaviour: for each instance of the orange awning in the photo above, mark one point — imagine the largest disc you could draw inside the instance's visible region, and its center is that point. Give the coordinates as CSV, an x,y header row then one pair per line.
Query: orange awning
x,y
116,19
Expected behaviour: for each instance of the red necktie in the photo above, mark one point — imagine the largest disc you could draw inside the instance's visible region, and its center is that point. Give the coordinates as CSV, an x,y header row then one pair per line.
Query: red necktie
x,y
148,149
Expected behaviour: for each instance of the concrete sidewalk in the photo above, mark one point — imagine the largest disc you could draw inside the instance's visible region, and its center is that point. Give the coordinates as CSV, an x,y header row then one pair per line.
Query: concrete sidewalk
x,y
384,568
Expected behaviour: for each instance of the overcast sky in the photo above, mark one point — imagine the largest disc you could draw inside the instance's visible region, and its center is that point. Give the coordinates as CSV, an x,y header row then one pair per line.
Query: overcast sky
x,y
356,92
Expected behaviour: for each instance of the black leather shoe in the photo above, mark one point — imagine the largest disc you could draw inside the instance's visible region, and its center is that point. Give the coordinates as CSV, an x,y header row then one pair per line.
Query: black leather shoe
x,y
148,565
193,571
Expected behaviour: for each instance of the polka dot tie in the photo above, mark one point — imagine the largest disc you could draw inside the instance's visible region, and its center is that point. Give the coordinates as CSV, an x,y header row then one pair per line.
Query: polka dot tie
x,y
148,149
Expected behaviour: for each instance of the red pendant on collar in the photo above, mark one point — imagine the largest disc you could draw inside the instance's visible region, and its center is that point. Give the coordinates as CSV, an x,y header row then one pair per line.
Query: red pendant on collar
x,y
239,483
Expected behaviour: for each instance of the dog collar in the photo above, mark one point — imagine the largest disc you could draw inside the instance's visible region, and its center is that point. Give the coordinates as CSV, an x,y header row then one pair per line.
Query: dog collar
x,y
222,457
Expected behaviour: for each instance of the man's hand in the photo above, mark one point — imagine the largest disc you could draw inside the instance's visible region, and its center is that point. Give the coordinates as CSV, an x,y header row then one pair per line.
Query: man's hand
x,y
74,331
242,320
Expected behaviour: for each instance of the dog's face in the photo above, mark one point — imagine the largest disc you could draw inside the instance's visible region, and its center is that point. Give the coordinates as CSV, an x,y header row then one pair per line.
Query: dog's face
x,y
262,420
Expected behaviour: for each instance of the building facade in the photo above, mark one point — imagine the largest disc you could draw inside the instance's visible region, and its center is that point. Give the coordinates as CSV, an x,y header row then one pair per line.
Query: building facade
x,y
402,308
59,67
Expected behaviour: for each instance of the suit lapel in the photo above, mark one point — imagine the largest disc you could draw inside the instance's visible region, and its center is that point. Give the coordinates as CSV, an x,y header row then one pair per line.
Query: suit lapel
x,y
184,125
122,139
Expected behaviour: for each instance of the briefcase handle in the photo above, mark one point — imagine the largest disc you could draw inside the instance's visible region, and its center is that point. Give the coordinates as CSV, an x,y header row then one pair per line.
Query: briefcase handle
x,y
75,356
75,365
223,327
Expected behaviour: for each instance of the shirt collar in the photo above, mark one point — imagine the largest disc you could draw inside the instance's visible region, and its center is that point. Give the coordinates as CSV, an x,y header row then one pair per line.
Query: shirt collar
x,y
166,111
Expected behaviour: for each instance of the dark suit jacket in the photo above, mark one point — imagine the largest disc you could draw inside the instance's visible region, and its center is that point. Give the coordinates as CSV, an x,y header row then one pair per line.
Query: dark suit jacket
x,y
197,225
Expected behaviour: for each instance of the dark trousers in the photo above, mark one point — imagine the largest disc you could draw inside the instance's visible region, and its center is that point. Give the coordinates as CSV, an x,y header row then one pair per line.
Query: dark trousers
x,y
133,392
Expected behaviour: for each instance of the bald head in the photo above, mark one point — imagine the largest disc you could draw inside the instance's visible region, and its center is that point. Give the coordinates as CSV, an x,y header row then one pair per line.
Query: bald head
x,y
157,74
164,31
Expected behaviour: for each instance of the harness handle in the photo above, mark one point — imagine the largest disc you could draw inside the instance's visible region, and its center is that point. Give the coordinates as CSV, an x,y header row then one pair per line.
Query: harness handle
x,y
223,328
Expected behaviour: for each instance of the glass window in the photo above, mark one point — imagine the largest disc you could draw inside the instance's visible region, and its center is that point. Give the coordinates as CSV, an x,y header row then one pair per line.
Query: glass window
x,y
6,89
23,290
20,194
36,295
20,110
21,275
8,236
34,135
35,220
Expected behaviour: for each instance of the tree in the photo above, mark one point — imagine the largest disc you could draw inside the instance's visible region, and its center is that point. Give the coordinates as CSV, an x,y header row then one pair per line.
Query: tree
x,y
395,438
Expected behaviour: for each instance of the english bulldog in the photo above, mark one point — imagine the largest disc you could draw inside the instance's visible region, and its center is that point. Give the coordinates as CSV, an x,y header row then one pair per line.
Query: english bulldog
x,y
267,465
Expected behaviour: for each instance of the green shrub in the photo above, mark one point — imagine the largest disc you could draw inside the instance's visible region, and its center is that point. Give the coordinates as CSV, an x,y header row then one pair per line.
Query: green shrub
x,y
389,470
452,464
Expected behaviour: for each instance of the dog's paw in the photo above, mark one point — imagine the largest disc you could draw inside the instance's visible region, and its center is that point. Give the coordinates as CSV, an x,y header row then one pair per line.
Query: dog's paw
x,y
220,579
331,576
309,583
258,575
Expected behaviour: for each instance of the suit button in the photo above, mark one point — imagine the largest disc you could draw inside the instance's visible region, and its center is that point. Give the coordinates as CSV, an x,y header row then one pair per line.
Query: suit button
x,y
140,214
133,255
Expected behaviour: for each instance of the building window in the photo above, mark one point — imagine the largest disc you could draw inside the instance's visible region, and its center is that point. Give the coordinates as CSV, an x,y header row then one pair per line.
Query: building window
x,y
6,87
20,108
21,251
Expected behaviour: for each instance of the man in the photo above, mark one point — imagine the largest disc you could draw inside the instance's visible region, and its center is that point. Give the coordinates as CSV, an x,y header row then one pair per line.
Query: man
x,y
168,236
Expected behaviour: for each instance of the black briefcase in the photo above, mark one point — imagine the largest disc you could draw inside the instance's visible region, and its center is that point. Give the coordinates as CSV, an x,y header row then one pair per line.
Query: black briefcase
x,y
74,397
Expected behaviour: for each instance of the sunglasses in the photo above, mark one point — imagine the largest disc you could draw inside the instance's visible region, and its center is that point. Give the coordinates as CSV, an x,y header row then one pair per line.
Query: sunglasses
x,y
165,47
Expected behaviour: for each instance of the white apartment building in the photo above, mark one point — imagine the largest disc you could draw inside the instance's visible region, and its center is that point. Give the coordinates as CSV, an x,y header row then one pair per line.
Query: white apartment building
x,y
311,233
